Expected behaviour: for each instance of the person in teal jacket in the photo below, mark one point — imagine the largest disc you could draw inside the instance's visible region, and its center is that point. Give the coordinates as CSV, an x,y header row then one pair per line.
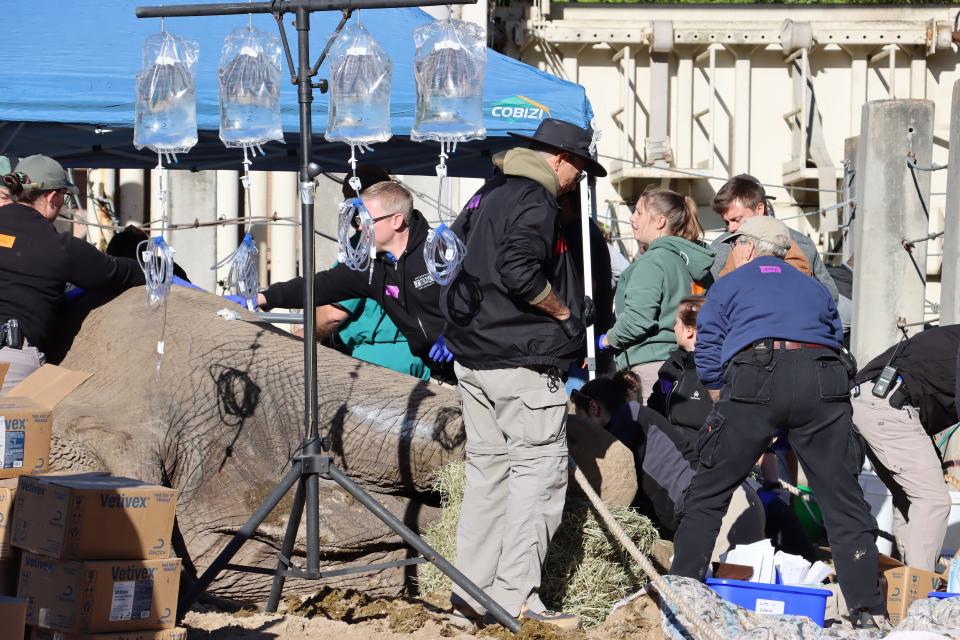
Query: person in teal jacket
x,y
370,335
675,263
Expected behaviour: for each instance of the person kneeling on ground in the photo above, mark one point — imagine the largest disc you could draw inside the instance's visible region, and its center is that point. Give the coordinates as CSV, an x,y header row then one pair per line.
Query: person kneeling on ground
x,y
665,461
679,395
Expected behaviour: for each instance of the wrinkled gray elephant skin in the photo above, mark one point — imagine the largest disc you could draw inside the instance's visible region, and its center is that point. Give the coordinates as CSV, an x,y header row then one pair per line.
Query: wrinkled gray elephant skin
x,y
225,415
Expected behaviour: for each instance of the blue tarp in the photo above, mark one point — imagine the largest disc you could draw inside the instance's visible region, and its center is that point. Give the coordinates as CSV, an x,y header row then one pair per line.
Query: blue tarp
x,y
67,90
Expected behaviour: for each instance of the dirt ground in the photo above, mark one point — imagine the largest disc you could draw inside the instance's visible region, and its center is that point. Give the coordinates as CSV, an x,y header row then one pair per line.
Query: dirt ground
x,y
351,616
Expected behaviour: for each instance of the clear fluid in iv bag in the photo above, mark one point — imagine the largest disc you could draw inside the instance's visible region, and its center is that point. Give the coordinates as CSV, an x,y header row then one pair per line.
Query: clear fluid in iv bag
x,y
359,119
449,96
248,124
166,108
165,129
446,116
359,97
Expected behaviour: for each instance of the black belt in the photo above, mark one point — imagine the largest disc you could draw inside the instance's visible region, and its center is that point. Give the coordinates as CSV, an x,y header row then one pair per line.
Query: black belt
x,y
789,345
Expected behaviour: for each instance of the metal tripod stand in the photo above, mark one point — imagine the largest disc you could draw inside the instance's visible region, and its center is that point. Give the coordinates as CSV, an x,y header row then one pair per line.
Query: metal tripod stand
x,y
314,461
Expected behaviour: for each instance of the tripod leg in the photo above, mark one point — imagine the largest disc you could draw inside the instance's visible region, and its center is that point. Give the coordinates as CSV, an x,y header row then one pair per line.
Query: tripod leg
x,y
289,539
239,538
426,550
311,484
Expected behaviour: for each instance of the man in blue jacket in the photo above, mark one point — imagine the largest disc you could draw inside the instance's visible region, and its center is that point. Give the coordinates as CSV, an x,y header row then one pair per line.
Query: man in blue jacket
x,y
768,352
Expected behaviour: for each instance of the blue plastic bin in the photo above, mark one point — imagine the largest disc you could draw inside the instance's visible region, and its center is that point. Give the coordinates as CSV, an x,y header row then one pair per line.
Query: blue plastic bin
x,y
940,595
773,598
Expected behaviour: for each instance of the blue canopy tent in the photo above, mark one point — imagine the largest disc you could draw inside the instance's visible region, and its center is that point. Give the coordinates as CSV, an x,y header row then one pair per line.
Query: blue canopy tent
x,y
67,91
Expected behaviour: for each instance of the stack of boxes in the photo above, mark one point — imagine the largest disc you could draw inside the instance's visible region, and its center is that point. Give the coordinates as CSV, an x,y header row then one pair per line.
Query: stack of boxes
x,y
88,556
96,555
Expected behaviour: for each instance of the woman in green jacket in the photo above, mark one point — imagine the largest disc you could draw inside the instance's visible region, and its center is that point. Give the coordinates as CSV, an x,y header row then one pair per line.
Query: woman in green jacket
x,y
675,262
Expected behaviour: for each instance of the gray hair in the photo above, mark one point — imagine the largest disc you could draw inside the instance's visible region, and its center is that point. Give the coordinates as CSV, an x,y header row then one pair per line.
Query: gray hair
x,y
767,248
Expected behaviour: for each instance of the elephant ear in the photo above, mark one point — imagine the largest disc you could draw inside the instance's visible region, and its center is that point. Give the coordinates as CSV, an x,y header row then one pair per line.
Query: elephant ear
x,y
607,462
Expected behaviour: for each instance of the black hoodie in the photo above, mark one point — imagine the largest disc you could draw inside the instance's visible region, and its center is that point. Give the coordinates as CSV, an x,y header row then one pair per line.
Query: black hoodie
x,y
516,256
927,362
403,287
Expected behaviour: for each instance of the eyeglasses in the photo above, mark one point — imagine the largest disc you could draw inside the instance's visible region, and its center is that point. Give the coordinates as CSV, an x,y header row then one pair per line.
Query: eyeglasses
x,y
358,222
743,240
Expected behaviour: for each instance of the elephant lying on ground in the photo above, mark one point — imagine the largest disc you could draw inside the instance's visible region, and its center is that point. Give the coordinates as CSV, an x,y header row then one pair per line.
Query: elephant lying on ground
x,y
223,417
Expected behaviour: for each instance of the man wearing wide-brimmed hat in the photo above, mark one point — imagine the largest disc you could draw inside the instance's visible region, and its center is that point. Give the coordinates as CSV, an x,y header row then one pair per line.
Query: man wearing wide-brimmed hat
x,y
514,324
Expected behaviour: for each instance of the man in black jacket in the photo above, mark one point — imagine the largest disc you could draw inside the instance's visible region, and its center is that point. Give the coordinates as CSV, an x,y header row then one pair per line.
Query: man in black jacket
x,y
897,428
36,263
400,281
514,324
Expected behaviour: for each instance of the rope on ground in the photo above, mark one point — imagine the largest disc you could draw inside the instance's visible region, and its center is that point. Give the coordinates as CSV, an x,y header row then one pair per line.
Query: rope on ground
x,y
666,591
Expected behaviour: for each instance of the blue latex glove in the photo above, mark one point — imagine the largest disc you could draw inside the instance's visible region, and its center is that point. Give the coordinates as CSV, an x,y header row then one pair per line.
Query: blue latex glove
x,y
439,351
180,282
73,295
600,344
240,300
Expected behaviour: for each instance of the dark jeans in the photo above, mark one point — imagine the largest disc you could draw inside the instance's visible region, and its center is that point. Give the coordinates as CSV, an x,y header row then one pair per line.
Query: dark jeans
x,y
806,392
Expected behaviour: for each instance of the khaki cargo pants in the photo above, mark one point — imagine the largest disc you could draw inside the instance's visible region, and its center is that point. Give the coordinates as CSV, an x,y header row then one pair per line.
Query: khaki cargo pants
x,y
516,452
22,363
905,459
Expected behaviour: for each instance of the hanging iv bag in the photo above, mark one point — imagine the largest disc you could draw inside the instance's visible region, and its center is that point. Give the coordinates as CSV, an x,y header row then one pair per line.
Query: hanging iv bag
x,y
166,117
449,66
360,75
249,76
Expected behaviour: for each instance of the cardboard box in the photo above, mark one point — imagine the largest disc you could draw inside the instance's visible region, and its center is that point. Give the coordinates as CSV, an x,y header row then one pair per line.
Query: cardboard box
x,y
99,596
9,571
8,493
178,633
904,585
13,615
88,517
26,419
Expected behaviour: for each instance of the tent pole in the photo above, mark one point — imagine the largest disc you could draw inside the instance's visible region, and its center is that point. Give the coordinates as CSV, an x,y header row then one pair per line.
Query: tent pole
x,y
587,213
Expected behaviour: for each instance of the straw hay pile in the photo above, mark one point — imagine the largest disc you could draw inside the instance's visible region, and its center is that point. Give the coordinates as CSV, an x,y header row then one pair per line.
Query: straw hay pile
x,y
586,570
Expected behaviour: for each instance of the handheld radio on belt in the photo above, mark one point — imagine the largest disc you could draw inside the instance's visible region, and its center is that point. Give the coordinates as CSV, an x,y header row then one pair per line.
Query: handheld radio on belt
x,y
889,374
10,334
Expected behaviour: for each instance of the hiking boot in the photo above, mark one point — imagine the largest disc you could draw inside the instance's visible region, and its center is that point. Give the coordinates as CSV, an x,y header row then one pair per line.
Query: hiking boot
x,y
565,621
863,619
462,615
